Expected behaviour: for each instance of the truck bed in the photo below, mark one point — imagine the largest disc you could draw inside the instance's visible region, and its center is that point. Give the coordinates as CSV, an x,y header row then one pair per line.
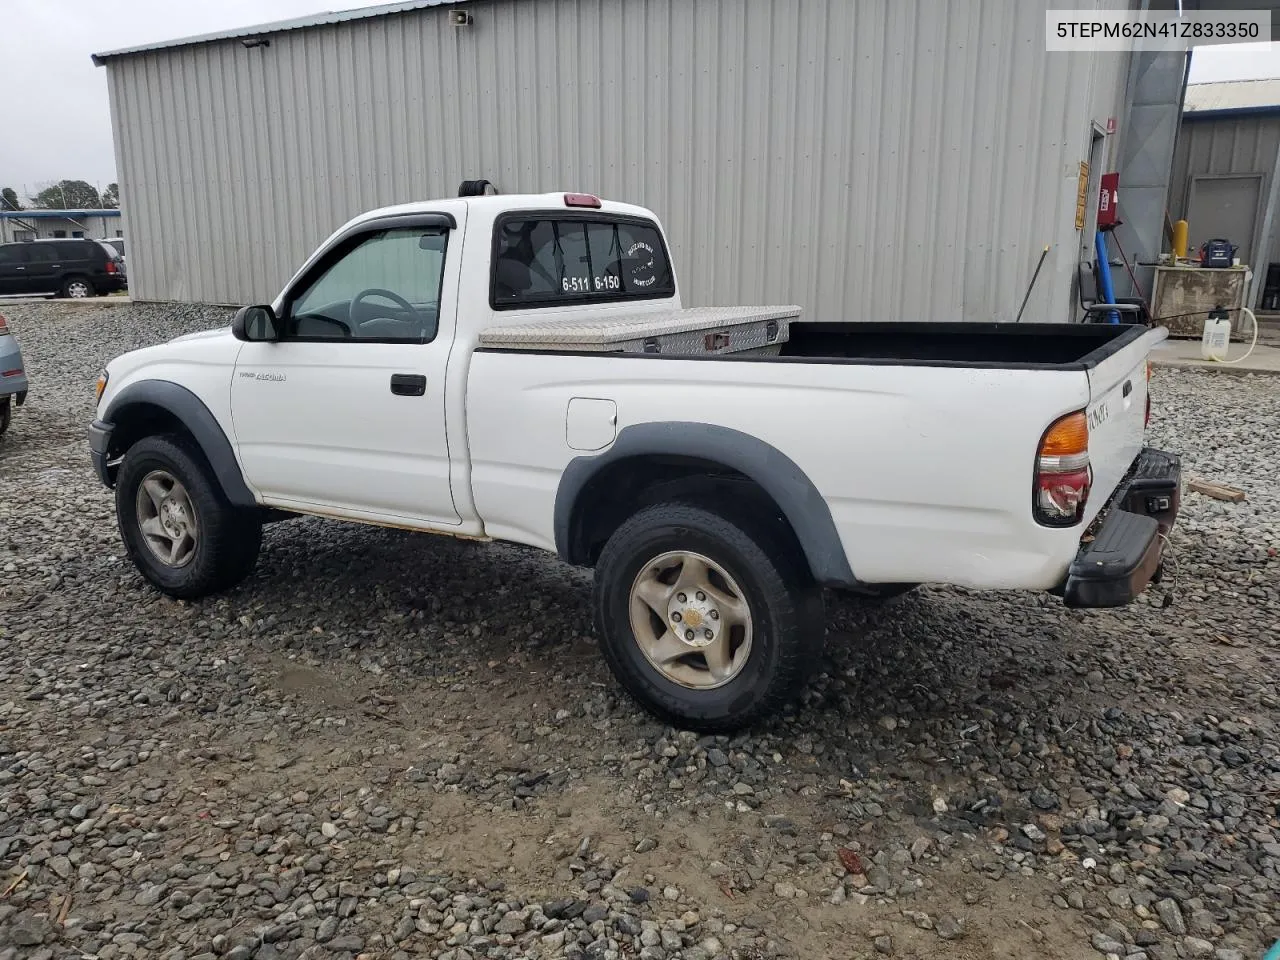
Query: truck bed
x,y
1021,345
777,334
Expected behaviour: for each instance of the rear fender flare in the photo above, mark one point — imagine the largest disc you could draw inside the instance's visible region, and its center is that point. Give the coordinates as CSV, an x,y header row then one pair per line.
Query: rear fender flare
x,y
776,473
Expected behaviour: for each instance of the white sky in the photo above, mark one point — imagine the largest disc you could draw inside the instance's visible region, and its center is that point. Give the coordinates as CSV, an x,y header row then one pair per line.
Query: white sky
x,y
1240,61
56,120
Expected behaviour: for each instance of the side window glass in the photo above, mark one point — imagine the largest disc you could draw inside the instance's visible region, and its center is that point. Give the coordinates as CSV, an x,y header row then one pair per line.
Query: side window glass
x,y
383,286
11,254
42,253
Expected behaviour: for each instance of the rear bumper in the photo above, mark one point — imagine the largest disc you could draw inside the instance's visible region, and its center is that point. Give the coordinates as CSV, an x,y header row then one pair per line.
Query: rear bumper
x,y
99,443
1124,549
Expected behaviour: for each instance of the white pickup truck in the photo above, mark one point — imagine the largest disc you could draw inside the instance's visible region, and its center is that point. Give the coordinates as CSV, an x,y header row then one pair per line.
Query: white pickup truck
x,y
520,368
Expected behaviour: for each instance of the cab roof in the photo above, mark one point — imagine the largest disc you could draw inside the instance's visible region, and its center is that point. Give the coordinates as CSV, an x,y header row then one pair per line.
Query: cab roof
x,y
495,204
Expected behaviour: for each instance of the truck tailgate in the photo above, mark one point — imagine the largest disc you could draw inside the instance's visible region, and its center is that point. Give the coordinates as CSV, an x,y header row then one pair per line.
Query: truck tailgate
x,y
1117,415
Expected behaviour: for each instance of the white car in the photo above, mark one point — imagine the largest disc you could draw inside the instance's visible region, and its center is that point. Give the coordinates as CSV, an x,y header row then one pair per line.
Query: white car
x,y
520,368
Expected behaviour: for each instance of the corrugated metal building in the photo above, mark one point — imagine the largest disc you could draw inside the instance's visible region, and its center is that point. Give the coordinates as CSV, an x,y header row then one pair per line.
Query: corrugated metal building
x,y
1224,174
886,158
50,224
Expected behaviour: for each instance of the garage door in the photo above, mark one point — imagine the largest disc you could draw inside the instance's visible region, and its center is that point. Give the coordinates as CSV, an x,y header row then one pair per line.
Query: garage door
x,y
1225,207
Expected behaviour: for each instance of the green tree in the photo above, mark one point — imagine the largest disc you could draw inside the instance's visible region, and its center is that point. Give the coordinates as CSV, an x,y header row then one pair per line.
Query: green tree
x,y
9,199
111,195
68,195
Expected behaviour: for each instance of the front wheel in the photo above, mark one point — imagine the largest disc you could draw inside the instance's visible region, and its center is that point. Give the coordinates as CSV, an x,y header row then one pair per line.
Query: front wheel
x,y
709,623
178,528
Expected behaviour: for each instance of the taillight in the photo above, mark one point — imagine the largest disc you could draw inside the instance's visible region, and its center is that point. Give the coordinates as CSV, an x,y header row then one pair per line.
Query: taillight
x,y
111,266
1063,476
581,200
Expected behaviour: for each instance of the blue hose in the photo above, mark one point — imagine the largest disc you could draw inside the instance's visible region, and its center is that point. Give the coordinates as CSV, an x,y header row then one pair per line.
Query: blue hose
x,y
1274,952
1106,288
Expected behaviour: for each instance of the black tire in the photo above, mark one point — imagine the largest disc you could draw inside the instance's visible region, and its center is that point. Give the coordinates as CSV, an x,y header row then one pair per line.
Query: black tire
x,y
73,282
229,537
785,608
6,414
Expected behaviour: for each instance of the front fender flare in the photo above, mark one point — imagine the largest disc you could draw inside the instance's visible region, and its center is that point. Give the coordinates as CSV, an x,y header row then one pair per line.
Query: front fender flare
x,y
192,413
775,472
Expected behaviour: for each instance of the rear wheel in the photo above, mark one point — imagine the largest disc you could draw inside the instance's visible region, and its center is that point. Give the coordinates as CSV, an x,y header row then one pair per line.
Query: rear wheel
x,y
177,526
77,288
6,414
708,622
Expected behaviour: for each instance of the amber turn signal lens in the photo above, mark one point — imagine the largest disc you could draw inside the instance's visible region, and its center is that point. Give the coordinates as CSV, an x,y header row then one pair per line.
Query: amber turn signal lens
x,y
1068,435
100,386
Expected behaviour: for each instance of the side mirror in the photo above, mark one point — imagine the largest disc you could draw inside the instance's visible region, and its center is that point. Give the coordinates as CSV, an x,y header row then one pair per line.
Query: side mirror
x,y
256,323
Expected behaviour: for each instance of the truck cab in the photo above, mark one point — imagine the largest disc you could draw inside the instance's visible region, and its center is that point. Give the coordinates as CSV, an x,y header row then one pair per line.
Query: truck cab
x,y
390,309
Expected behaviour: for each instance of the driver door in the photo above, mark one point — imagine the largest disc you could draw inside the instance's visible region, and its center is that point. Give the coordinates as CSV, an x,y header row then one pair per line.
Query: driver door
x,y
345,411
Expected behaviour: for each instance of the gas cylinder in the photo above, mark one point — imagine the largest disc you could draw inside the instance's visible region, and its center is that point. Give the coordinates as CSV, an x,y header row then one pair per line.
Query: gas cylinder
x,y
1217,336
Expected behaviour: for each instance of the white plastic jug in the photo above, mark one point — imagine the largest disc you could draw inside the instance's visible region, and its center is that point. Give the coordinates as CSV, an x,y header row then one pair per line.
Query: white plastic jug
x,y
1216,339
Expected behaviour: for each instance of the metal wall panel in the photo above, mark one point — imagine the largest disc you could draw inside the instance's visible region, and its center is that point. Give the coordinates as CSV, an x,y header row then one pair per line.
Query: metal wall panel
x,y
1215,146
1157,80
902,159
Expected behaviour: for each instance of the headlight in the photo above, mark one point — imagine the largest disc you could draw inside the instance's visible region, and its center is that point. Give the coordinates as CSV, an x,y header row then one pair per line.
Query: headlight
x,y
100,386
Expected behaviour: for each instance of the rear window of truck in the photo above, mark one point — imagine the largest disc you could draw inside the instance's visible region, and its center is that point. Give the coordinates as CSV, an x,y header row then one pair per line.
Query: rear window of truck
x,y
550,259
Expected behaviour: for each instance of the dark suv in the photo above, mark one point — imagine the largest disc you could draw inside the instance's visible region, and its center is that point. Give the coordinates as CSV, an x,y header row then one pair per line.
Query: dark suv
x,y
67,268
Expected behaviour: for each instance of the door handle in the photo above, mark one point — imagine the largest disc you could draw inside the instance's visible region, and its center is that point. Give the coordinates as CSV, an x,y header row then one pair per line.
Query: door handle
x,y
20,268
408,384
1128,388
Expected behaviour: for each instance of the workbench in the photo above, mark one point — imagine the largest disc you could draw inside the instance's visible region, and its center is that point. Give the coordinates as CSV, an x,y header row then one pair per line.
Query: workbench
x,y
1181,290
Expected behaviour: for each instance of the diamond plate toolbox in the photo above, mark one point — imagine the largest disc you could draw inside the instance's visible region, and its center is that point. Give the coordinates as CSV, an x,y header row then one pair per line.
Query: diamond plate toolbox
x,y
689,332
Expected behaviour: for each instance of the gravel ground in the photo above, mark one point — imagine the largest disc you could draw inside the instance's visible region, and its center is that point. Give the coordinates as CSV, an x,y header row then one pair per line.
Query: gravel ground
x,y
386,745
